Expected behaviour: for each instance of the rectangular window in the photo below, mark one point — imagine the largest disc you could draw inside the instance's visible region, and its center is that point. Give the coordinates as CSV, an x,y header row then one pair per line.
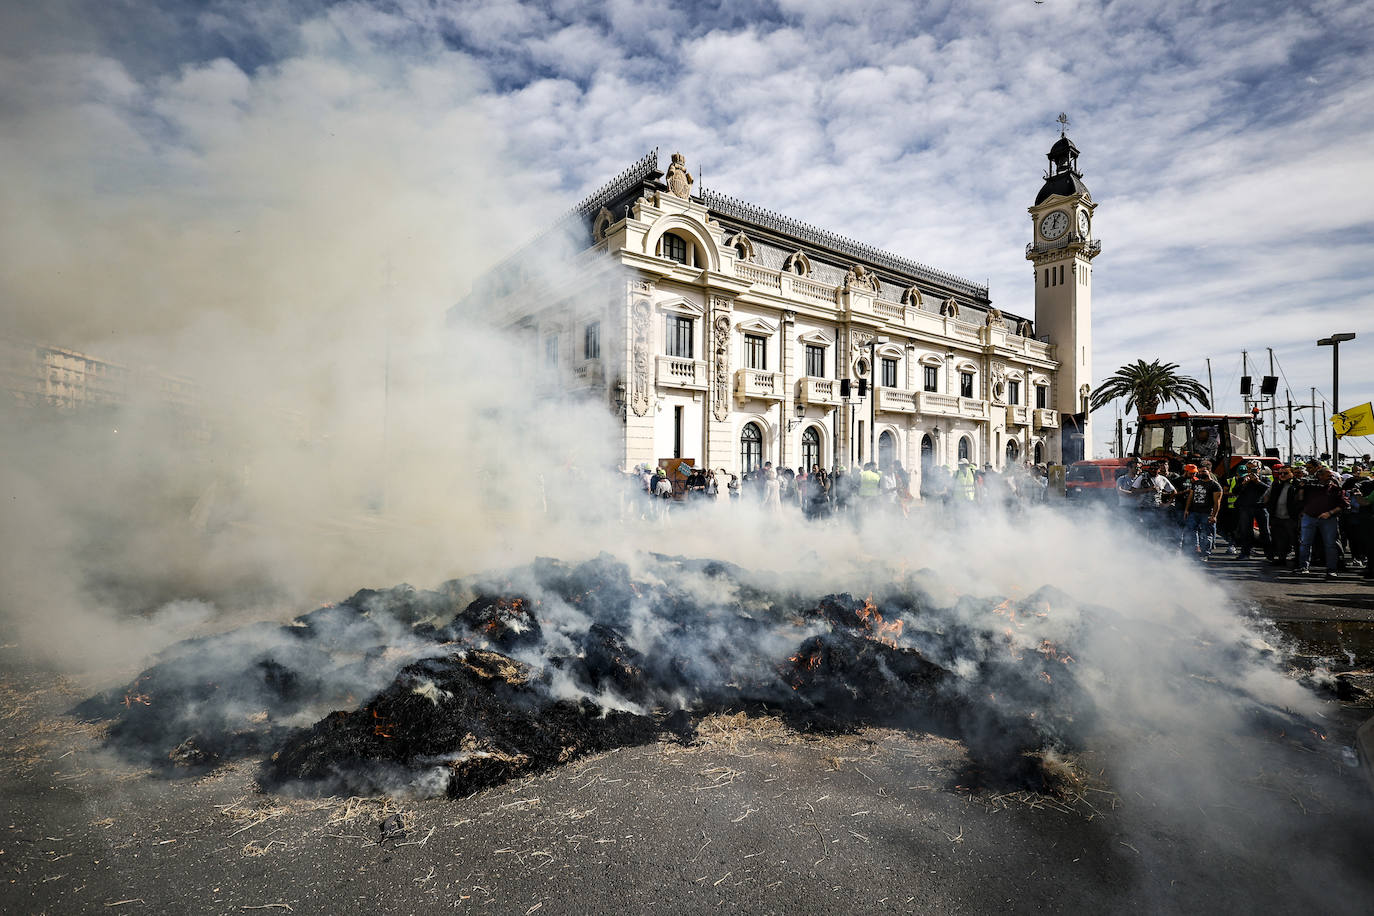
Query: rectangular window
x,y
591,341
679,336
1013,391
966,384
932,378
1042,396
675,248
815,361
1047,278
677,431
755,352
889,372
551,351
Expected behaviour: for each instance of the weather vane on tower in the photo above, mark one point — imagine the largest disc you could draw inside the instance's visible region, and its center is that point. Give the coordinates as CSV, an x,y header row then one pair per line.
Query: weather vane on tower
x,y
1063,121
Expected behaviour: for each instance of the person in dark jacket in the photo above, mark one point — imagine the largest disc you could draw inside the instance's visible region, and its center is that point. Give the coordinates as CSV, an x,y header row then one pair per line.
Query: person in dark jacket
x,y
1282,503
1322,504
1251,516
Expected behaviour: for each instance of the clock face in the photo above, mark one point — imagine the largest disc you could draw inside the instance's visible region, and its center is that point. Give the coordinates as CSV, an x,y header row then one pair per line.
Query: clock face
x,y
1054,225
1083,223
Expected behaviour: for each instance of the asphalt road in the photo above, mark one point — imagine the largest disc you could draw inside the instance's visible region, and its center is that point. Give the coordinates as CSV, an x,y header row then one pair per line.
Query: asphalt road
x,y
751,818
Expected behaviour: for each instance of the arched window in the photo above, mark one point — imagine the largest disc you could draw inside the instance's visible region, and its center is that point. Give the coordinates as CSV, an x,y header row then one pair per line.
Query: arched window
x,y
811,448
750,448
1013,451
927,452
965,449
674,247
887,449
1039,453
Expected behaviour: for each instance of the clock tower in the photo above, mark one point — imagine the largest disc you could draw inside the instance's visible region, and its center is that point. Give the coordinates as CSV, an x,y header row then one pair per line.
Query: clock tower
x,y
1062,250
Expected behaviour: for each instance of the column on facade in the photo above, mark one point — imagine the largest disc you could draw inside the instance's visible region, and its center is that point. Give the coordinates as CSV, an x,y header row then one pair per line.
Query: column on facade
x,y
785,363
639,347
721,446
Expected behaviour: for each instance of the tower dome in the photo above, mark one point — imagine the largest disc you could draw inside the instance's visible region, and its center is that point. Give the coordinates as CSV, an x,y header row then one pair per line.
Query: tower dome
x,y
1063,178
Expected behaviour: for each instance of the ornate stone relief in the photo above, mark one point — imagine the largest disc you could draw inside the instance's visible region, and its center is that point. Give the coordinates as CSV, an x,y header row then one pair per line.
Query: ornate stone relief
x,y
999,383
720,369
679,179
994,318
860,278
950,307
912,296
640,358
858,341
1024,328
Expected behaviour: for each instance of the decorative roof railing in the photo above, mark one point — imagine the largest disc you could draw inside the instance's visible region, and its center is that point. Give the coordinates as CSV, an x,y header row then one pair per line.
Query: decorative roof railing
x,y
805,232
621,183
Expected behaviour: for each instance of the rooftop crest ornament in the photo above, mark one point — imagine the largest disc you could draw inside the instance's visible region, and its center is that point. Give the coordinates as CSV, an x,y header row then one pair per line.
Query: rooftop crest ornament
x,y
679,179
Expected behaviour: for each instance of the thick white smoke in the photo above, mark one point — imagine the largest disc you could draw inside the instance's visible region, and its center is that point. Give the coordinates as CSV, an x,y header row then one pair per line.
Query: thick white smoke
x,y
290,239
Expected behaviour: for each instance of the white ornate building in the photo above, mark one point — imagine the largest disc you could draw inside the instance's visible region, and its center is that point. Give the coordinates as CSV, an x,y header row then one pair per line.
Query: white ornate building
x,y
730,335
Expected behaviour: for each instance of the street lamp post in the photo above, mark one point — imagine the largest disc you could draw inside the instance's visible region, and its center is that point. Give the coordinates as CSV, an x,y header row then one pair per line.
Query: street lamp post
x,y
873,398
1334,342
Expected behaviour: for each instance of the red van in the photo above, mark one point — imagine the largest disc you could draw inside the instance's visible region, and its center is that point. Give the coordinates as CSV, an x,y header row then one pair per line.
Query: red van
x,y
1093,481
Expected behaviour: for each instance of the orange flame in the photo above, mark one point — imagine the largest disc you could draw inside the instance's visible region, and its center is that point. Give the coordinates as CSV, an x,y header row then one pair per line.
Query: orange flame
x,y
131,698
382,728
878,630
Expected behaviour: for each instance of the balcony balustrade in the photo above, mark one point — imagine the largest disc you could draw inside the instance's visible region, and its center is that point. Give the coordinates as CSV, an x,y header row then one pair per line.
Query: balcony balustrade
x,y
822,392
896,400
930,402
676,372
1018,416
757,383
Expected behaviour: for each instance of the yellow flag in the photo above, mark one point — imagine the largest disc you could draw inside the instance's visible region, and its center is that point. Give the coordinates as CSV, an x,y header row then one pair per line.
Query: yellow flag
x,y
1357,421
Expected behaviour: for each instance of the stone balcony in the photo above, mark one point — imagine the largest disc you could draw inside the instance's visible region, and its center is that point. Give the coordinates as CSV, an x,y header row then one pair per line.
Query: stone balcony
x,y
974,409
896,400
941,405
1046,418
758,383
821,392
676,372
1018,415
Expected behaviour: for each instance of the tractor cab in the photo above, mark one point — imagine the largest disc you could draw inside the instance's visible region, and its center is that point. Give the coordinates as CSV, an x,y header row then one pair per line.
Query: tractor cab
x,y
1222,441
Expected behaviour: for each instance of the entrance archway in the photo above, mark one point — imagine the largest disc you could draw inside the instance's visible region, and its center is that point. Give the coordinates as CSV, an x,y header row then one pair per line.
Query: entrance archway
x,y
811,448
887,449
750,448
927,452
1013,452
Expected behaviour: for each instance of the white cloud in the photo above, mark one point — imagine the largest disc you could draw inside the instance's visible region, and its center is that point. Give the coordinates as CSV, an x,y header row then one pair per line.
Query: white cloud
x,y
1221,141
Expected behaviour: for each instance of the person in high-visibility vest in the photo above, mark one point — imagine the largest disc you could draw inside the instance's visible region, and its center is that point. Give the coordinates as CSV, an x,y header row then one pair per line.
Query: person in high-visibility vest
x,y
965,482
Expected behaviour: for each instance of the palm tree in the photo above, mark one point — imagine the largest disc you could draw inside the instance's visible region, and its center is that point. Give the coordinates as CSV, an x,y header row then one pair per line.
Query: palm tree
x,y
1147,385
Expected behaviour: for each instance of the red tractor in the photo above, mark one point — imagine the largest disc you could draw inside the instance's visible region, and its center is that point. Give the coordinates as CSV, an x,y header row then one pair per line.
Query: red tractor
x,y
1221,441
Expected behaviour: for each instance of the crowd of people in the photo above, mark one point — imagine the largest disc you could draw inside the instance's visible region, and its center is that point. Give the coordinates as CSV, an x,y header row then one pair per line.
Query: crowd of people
x,y
1298,516
819,493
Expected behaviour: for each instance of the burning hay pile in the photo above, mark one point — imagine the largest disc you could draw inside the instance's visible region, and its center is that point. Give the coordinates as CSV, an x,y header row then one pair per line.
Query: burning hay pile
x,y
483,680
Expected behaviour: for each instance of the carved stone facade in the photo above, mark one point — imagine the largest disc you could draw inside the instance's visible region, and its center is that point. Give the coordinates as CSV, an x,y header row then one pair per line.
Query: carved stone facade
x,y
720,366
727,334
640,382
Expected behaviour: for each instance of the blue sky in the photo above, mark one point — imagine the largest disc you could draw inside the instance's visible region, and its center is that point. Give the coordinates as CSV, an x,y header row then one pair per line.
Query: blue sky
x,y
175,165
